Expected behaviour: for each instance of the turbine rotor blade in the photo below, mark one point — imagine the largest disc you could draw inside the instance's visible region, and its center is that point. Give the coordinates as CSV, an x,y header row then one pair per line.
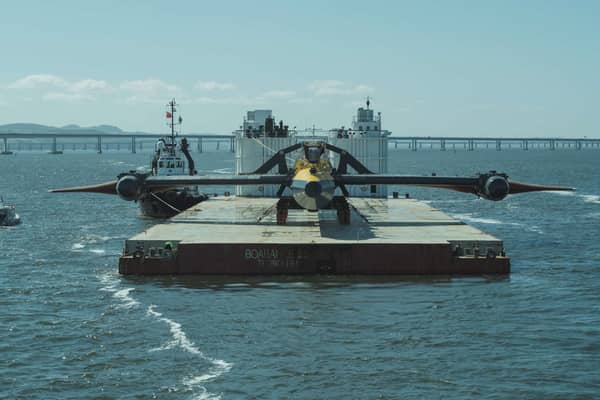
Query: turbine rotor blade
x,y
521,187
492,185
105,188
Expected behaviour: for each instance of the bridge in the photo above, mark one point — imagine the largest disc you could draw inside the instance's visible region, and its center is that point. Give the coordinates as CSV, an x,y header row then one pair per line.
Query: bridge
x,y
102,141
56,143
415,143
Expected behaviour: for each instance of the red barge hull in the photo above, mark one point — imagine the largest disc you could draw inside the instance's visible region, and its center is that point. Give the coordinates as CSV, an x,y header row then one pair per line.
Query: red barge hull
x,y
226,236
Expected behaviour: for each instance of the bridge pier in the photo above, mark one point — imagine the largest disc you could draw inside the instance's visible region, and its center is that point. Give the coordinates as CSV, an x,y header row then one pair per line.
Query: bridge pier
x,y
525,145
199,145
99,146
232,145
54,149
443,144
6,151
499,145
133,144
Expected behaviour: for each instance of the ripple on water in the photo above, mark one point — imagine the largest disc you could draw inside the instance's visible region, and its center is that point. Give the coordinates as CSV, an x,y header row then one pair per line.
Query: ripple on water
x,y
533,334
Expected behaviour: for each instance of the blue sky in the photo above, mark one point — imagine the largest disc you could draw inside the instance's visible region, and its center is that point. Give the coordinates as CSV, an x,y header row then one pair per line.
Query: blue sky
x,y
507,68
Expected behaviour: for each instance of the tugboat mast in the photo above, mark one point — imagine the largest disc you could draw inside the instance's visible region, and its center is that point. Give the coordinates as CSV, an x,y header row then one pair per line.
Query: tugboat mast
x,y
171,115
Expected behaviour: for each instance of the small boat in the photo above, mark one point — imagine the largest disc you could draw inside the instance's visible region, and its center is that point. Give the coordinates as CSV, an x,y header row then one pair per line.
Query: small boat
x,y
8,214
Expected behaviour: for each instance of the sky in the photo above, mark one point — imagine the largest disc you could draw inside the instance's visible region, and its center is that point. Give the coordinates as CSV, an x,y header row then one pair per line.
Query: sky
x,y
432,68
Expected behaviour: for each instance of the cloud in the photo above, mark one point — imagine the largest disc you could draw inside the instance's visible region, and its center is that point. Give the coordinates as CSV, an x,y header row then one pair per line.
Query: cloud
x,y
238,100
157,91
150,86
67,97
151,91
37,80
87,85
140,99
278,94
335,88
213,86
45,81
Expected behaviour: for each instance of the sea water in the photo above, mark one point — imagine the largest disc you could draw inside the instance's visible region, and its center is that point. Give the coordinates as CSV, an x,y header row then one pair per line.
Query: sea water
x,y
72,328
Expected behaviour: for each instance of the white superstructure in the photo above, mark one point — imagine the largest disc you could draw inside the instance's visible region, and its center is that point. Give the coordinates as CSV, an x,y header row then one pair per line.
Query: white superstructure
x,y
259,139
368,142
168,159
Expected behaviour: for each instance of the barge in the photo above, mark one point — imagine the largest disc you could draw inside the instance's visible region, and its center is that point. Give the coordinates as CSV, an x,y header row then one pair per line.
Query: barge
x,y
232,236
328,213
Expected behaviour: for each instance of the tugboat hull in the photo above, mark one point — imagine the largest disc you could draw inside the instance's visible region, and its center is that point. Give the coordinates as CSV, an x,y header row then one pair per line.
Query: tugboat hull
x,y
168,204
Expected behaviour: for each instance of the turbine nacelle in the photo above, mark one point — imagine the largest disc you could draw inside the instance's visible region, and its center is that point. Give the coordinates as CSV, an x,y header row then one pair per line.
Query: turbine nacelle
x,y
313,195
129,187
493,186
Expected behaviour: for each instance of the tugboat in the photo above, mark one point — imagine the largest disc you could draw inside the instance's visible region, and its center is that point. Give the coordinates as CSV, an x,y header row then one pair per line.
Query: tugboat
x,y
8,214
170,158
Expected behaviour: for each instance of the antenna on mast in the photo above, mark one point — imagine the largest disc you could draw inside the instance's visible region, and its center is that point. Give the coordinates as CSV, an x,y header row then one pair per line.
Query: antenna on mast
x,y
171,116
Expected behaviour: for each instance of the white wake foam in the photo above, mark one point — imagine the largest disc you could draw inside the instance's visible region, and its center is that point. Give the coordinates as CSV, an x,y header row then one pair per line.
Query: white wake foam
x,y
122,295
534,228
590,198
470,218
126,300
180,339
561,192
92,239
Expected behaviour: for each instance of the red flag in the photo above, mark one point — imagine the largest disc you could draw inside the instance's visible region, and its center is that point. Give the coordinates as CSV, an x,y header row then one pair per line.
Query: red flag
x,y
169,115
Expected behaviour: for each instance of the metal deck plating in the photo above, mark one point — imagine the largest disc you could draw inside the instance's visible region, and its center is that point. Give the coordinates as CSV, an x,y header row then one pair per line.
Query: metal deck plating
x,y
233,236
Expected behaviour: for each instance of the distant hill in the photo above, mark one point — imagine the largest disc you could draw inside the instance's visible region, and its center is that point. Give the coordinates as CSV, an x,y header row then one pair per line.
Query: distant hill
x,y
74,129
28,128
65,130
107,128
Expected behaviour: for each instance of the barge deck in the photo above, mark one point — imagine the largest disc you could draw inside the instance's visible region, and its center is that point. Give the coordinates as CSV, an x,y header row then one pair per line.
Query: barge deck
x,y
239,236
